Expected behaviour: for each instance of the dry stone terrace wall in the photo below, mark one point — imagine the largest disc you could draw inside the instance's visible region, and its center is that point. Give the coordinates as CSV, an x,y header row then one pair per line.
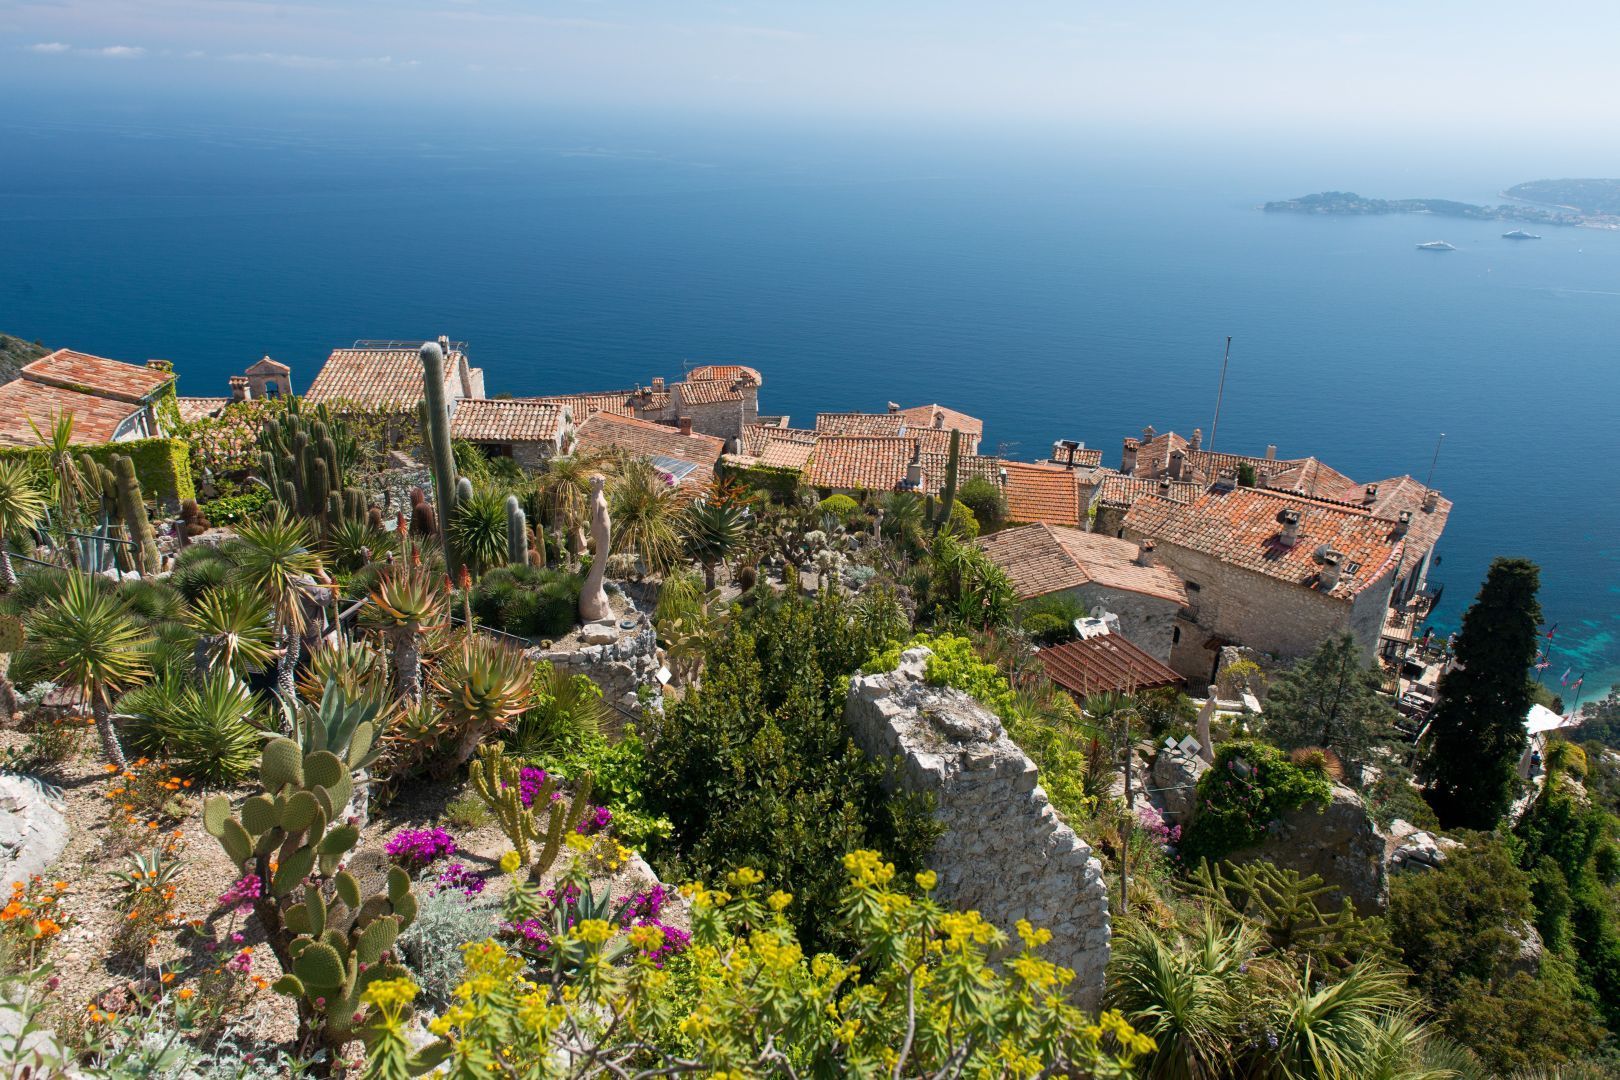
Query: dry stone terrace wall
x,y
1005,850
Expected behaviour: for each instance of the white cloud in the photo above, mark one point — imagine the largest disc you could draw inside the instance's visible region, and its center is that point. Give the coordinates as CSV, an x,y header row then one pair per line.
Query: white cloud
x,y
292,60
120,51
50,47
62,48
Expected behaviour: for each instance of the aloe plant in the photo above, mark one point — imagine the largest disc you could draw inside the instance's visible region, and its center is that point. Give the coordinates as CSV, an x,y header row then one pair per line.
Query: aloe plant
x,y
407,603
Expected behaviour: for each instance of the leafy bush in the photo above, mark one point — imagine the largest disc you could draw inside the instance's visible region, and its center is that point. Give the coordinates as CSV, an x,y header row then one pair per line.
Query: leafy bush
x,y
201,728
840,506
565,712
985,501
527,600
1046,628
1250,785
962,523
233,509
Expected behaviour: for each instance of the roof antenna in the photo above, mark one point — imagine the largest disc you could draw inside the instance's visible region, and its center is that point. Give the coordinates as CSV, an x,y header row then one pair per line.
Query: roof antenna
x,y
1428,479
1220,394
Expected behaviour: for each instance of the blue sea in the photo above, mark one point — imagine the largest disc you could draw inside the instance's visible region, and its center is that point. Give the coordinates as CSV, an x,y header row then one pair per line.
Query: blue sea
x,y
1062,286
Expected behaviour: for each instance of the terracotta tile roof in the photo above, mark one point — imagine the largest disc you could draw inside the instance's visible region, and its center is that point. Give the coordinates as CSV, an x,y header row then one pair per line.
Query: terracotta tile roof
x,y
1240,528
856,462
617,402
938,416
497,420
1404,493
267,365
782,454
1042,493
728,373
1044,559
848,423
193,409
1105,662
935,463
710,391
1084,458
1153,456
936,441
377,378
755,436
98,375
95,419
645,439
1312,477
1117,489
1208,466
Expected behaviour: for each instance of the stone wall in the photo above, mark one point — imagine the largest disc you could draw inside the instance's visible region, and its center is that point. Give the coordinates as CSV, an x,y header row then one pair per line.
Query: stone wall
x,y
1005,851
1148,621
621,661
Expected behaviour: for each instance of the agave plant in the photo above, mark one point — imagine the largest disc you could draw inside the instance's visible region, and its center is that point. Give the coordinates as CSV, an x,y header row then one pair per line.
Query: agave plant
x,y
347,725
484,685
22,505
352,543
234,631
406,603
712,533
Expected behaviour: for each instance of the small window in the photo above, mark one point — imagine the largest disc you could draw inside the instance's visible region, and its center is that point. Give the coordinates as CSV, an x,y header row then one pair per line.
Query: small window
x,y
1175,635
1193,586
272,390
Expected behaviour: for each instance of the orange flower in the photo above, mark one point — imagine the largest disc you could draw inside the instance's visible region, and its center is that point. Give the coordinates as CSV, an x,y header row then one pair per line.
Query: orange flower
x,y
184,994
168,976
110,768
59,886
46,927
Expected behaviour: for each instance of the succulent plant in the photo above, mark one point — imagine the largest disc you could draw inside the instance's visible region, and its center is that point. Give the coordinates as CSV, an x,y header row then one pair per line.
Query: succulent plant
x,y
484,685
498,780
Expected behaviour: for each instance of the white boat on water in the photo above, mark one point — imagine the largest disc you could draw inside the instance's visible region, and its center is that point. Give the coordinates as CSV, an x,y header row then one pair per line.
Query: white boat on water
x,y
1520,234
1436,245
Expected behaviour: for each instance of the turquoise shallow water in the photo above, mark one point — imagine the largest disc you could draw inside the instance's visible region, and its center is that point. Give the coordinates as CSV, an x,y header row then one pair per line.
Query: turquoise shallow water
x,y
1069,291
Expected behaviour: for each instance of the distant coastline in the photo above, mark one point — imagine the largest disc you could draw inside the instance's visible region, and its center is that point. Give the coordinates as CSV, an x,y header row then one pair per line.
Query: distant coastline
x,y
1591,204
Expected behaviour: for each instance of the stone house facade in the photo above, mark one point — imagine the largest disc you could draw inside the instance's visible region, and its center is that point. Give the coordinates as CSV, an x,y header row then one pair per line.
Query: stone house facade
x,y
529,432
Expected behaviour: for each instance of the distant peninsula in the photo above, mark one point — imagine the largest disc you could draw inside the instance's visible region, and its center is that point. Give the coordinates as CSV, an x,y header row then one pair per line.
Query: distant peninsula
x,y
1590,203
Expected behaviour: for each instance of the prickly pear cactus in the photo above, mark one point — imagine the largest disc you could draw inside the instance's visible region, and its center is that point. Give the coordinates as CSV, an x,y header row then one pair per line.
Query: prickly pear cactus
x,y
11,633
498,781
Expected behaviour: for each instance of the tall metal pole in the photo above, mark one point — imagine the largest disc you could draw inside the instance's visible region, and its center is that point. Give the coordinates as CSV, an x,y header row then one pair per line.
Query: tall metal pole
x,y
1428,479
1213,427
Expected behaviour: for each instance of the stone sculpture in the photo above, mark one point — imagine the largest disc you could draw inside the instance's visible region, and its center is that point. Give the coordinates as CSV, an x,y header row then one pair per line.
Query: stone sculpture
x,y
593,601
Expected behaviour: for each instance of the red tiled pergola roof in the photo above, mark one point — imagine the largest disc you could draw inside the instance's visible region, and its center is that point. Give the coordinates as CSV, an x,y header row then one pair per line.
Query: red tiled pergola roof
x,y
1102,663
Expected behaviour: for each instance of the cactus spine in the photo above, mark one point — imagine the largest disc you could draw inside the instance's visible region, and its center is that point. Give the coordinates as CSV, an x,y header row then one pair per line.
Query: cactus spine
x,y
498,781
132,508
517,533
441,458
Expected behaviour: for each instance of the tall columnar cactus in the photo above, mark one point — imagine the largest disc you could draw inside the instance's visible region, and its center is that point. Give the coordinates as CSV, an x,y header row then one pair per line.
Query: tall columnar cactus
x,y
441,458
948,496
132,508
517,533
331,940
290,446
319,492
498,781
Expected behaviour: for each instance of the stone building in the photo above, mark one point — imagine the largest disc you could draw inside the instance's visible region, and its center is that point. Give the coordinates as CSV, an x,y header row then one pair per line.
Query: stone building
x,y
686,456
111,401
1098,571
387,376
1114,494
717,399
1269,570
529,432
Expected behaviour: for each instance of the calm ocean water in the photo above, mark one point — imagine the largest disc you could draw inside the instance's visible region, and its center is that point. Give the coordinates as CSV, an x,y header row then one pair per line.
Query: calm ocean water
x,y
1064,292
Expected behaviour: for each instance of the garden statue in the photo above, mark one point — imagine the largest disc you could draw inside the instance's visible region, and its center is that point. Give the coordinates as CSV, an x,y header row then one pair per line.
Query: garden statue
x,y
593,601
1206,748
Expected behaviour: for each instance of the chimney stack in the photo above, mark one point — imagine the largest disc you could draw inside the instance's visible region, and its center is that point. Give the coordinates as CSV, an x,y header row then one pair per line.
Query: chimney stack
x,y
240,388
914,469
1370,496
658,384
1164,487
1289,520
1271,452
1144,553
1431,501
686,425
1197,440
1332,564
1403,524
894,406
1127,458
1178,464
1226,481
1148,433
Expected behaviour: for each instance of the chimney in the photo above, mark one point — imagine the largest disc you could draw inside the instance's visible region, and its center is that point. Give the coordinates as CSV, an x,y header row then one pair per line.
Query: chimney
x,y
686,425
1197,440
1178,464
240,390
939,421
444,345
1127,459
1289,520
1226,481
894,406
1001,474
914,469
1403,523
658,384
1144,553
1271,452
1431,501
1148,433
1332,563
164,366
1164,487
1370,496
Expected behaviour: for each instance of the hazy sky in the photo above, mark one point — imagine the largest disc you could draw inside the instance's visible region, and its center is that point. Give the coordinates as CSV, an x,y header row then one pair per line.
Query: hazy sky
x,y
1409,65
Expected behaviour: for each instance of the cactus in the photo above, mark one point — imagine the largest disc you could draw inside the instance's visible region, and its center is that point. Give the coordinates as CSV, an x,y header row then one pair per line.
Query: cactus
x,y
374,520
331,940
436,429
193,522
517,533
497,780
292,445
424,522
132,508
947,498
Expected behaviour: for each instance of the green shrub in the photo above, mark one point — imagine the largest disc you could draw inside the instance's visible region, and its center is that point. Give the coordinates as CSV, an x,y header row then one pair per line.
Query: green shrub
x,y
986,502
528,601
1250,785
234,509
1045,628
840,506
962,524
163,466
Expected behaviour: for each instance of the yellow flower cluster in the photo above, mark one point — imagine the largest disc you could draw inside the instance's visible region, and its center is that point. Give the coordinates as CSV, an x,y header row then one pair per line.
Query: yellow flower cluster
x,y
867,869
390,995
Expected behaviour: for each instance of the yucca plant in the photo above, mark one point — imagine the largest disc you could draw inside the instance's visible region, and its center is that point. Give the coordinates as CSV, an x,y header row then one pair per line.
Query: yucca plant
x,y
209,730
712,533
276,556
353,542
643,511
406,603
1184,993
1332,1029
484,685
563,492
22,505
95,644
234,629
67,484
478,530
566,711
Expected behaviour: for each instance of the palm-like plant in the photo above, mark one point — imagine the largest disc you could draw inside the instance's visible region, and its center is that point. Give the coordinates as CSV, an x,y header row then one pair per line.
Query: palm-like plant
x,y
484,685
643,510
276,557
564,493
406,604
478,530
1184,993
96,645
67,484
352,544
234,631
1333,1029
712,532
22,505
566,710
203,727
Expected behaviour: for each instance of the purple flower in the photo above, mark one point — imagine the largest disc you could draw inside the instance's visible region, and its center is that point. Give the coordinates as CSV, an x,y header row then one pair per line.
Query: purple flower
x,y
530,781
595,820
457,876
416,848
241,895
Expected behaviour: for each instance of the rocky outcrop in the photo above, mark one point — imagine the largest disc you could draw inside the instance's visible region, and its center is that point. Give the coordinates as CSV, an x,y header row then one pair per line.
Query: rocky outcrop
x,y
1339,842
1412,848
33,831
1175,782
1005,851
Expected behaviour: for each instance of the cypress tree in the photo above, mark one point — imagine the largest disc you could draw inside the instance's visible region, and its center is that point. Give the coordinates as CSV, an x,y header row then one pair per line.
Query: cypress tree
x,y
1477,736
